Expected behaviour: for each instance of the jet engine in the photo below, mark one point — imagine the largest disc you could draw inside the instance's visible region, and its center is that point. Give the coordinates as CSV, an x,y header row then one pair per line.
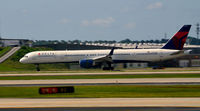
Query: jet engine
x,y
87,63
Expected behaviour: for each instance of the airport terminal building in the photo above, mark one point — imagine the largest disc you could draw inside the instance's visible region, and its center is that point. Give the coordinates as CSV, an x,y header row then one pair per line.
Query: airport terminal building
x,y
15,42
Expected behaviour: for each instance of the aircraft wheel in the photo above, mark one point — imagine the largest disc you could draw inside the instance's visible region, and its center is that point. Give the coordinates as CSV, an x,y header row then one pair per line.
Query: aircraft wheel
x,y
105,68
37,67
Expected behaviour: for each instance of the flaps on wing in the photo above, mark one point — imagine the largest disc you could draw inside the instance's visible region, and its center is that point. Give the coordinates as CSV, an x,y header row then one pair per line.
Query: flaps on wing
x,y
102,59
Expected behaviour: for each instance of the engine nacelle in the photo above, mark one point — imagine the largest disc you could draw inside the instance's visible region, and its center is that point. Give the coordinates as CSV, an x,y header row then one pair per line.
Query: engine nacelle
x,y
86,63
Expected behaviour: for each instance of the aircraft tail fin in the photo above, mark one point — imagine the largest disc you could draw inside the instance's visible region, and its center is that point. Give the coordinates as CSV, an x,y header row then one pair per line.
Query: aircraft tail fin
x,y
178,40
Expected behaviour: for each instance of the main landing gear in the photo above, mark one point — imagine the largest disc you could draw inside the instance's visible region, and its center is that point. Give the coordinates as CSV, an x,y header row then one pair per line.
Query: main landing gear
x,y
109,67
37,67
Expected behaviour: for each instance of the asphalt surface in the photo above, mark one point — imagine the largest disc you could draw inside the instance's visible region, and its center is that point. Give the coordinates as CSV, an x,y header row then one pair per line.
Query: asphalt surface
x,y
99,102
102,73
138,81
106,109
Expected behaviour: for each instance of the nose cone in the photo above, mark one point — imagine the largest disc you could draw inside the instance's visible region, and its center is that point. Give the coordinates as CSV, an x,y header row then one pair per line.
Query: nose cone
x,y
22,60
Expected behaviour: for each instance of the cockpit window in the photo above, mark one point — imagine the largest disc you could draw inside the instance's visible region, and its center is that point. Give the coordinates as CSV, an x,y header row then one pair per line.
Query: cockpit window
x,y
26,56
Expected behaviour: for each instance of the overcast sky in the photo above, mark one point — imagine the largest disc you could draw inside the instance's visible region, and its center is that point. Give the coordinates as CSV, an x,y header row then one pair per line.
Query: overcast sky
x,y
96,19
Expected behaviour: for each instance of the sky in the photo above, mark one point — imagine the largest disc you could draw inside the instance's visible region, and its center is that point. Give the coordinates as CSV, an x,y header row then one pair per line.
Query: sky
x,y
96,19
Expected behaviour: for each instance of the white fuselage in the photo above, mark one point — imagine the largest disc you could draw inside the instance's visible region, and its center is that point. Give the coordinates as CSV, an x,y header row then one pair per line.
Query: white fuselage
x,y
119,55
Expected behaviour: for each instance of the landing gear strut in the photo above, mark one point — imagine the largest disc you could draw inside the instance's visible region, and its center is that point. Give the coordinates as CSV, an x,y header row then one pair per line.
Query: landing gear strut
x,y
109,67
37,67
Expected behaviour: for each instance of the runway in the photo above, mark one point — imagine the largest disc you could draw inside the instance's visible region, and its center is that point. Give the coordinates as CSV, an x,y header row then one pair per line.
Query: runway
x,y
138,81
99,102
106,109
102,73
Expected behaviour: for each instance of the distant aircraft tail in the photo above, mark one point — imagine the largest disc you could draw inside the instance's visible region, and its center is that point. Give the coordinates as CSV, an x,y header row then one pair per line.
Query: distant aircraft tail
x,y
178,40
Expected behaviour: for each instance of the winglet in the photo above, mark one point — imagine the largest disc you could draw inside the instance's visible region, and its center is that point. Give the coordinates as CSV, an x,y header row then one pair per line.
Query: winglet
x,y
178,40
111,52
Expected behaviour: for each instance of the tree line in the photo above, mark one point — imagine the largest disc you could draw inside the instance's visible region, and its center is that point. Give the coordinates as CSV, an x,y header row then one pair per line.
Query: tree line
x,y
127,41
190,40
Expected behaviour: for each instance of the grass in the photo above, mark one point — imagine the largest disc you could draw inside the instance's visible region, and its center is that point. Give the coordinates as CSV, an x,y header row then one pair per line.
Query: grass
x,y
12,64
4,50
107,92
16,67
167,69
101,76
10,67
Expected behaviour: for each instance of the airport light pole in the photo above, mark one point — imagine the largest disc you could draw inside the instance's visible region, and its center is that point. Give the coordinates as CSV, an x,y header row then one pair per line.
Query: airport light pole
x,y
197,30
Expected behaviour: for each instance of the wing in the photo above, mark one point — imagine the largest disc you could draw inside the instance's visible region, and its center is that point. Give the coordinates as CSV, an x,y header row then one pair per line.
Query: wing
x,y
106,58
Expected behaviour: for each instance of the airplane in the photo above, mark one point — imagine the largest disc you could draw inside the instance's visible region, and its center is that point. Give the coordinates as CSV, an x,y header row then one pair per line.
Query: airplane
x,y
92,58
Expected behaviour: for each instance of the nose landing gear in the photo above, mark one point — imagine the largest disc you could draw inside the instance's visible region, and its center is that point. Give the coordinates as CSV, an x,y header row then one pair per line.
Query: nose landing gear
x,y
37,67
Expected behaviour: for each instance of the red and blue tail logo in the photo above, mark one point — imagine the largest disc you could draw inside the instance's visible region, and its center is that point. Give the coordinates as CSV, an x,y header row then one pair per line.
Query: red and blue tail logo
x,y
178,40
